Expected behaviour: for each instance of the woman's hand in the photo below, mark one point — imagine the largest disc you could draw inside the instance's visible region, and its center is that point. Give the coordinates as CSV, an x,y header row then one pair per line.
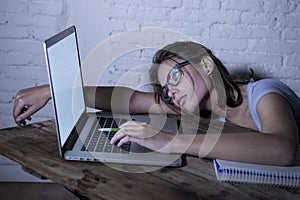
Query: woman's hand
x,y
28,101
144,134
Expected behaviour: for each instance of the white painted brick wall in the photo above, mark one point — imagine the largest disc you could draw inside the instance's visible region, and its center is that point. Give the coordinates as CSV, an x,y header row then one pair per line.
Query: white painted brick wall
x,y
24,24
259,34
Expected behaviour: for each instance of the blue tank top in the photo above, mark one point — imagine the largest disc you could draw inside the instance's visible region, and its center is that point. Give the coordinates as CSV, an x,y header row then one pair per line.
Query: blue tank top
x,y
256,90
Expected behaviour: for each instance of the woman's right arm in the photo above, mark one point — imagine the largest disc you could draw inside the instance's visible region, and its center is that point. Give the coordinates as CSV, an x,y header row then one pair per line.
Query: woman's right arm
x,y
124,100
116,99
28,101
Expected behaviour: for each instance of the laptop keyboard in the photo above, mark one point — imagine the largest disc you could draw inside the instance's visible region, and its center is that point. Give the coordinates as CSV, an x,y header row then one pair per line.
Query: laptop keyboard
x,y
99,141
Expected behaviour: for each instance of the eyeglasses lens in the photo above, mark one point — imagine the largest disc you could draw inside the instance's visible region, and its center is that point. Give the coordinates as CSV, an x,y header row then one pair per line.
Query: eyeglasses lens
x,y
174,77
164,94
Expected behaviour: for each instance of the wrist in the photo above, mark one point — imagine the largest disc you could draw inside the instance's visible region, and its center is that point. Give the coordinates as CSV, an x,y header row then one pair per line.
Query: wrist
x,y
183,144
46,91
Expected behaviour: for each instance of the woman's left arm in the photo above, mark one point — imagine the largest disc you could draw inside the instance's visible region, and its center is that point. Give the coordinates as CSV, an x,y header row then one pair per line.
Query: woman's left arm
x,y
276,145
277,118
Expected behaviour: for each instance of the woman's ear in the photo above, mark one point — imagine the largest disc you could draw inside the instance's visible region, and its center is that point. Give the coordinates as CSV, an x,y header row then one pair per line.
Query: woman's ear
x,y
208,64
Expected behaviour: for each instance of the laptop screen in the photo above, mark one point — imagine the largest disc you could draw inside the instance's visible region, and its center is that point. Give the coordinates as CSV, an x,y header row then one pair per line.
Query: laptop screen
x,y
65,79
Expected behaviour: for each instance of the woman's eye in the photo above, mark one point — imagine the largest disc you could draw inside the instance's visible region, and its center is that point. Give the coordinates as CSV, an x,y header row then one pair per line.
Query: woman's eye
x,y
176,76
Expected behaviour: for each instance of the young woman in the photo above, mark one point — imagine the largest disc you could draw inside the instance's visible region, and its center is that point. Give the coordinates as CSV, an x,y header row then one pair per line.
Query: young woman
x,y
191,79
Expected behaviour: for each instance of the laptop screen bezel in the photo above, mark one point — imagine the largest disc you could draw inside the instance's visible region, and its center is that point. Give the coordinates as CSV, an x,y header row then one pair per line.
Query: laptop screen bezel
x,y
72,137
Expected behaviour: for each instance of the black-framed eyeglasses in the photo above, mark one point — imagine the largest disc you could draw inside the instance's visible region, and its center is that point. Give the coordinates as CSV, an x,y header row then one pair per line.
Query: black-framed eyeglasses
x,y
173,79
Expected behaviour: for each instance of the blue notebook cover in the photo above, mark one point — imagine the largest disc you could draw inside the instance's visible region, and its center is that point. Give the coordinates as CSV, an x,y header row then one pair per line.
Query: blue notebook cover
x,y
229,171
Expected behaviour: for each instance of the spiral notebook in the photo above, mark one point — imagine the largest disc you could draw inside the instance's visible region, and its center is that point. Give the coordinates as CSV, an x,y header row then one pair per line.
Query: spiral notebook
x,y
229,171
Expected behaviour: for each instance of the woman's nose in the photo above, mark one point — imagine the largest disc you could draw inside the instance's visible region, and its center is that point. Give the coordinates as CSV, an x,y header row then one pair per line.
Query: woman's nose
x,y
171,92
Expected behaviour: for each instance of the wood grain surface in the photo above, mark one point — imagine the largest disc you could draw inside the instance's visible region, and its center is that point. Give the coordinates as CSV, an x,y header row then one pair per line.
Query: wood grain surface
x,y
35,147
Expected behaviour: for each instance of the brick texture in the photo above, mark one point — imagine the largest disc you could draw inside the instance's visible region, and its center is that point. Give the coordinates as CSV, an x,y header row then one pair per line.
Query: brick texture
x,y
24,24
260,34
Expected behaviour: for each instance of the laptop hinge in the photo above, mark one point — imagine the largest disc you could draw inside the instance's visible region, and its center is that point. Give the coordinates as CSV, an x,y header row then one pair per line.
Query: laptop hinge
x,y
69,144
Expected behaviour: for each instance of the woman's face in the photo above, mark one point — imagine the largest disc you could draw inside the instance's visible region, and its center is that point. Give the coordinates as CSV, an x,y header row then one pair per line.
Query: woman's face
x,y
191,90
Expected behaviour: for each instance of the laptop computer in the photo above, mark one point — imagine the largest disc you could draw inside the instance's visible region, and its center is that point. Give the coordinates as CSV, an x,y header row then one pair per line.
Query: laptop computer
x,y
78,131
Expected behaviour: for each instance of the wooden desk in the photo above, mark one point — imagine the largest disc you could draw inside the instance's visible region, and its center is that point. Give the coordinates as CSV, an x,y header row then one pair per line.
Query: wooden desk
x,y
35,148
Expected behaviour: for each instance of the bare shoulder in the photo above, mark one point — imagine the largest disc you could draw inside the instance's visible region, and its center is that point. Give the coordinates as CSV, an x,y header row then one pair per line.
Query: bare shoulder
x,y
276,114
